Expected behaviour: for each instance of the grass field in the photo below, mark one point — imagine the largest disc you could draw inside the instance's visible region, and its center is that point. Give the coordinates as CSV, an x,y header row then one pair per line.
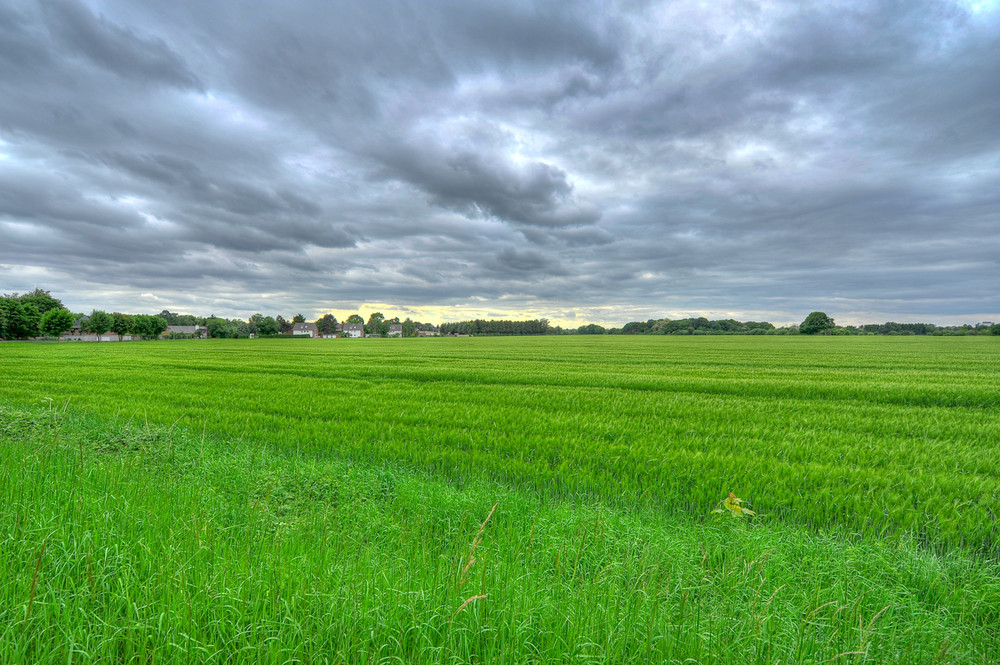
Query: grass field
x,y
274,501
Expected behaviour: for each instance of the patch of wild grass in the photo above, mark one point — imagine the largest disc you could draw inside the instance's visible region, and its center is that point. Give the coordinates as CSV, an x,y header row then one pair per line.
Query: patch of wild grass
x,y
125,542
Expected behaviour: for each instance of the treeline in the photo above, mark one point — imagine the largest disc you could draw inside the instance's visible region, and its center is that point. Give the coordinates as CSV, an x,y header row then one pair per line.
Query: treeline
x,y
260,325
891,328
28,315
497,327
703,326
700,326
38,312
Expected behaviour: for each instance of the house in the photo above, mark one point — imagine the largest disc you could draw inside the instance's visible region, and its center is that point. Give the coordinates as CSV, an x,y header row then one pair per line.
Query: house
x,y
90,337
185,331
78,326
78,334
395,330
354,330
427,333
308,329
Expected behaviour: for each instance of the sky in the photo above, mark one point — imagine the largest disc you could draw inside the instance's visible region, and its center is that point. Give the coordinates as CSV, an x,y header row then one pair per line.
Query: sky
x,y
444,160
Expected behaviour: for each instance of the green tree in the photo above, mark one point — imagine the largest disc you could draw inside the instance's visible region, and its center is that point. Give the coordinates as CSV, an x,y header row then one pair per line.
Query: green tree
x,y
99,323
409,328
327,324
18,320
995,329
268,326
32,320
42,300
254,323
220,328
4,317
57,321
283,325
157,325
146,326
377,325
591,329
298,318
816,322
354,318
121,324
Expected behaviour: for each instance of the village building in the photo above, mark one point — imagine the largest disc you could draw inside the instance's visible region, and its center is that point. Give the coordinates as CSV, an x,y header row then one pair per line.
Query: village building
x,y
185,331
308,329
78,334
354,330
395,330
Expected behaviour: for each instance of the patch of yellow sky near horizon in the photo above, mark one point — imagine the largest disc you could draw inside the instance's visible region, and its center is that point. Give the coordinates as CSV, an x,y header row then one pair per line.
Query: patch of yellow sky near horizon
x,y
566,317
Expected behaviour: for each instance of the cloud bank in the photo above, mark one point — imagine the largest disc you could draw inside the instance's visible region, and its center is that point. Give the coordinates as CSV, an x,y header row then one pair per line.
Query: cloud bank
x,y
581,161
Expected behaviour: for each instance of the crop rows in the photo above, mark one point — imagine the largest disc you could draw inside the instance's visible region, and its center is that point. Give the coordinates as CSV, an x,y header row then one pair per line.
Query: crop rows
x,y
889,436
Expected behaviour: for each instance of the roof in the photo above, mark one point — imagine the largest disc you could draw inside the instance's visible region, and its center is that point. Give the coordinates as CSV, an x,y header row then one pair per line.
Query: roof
x,y
354,326
395,326
305,327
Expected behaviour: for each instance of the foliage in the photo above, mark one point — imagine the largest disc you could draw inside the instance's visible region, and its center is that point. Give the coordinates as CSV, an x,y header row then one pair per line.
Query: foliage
x,y
268,326
697,326
18,320
298,318
55,322
43,300
591,329
221,328
258,324
174,319
354,318
497,328
327,324
733,506
816,322
98,323
121,324
409,328
376,325
893,328
148,327
253,322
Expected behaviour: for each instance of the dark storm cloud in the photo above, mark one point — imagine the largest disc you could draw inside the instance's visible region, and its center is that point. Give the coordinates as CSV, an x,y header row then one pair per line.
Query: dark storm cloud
x,y
475,178
80,34
603,160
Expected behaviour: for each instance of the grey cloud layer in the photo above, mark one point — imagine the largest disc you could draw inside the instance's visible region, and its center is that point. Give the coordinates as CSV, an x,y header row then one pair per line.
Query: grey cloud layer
x,y
649,157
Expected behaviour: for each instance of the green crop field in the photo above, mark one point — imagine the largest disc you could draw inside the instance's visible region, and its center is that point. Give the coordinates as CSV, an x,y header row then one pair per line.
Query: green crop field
x,y
501,500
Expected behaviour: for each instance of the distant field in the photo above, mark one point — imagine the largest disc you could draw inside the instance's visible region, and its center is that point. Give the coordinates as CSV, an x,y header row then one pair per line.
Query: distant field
x,y
875,434
501,500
